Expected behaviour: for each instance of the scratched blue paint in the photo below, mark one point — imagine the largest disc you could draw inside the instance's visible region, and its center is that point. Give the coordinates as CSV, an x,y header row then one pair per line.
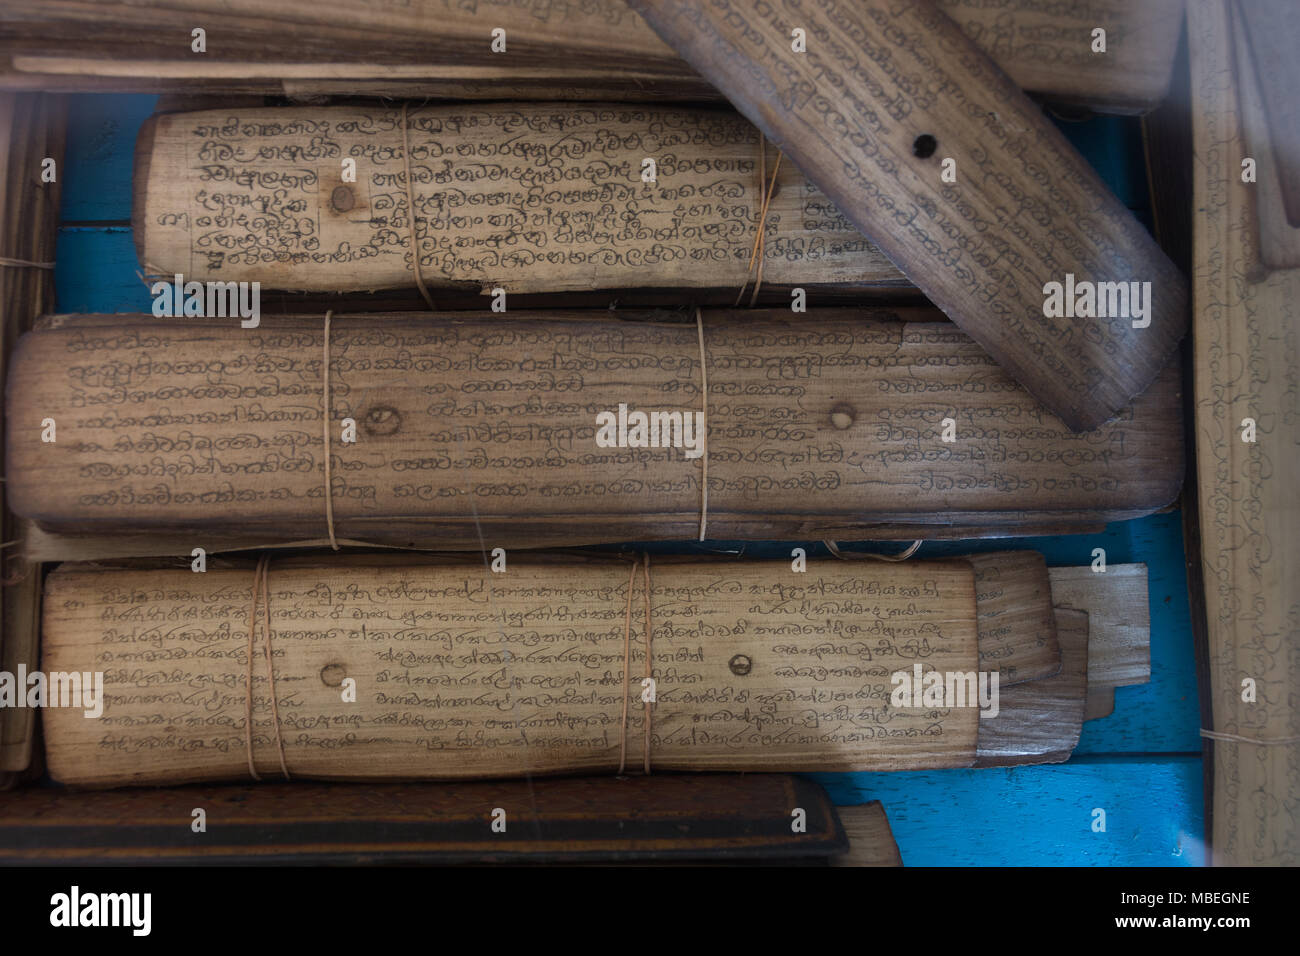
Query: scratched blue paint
x,y
1141,764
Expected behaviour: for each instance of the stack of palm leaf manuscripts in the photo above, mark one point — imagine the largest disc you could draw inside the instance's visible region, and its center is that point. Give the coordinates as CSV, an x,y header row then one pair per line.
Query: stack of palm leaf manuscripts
x,y
31,151
598,48
1005,367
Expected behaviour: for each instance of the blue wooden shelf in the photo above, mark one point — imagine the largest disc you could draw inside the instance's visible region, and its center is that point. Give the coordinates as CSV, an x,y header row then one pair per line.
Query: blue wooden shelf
x,y
1141,764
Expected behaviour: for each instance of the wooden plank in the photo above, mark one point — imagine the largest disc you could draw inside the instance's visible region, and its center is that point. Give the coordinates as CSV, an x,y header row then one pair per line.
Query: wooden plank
x,y
1048,48
964,245
866,456
1154,814
1246,367
1119,619
1160,716
581,820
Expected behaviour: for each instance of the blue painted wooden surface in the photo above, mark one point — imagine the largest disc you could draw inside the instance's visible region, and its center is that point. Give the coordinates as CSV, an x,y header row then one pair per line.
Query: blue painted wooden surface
x,y
1141,764
100,154
1041,816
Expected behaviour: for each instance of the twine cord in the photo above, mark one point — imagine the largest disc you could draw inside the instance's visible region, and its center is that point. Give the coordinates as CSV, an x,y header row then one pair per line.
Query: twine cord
x,y
261,588
914,547
627,667
704,430
759,251
1260,742
649,632
248,676
24,263
627,664
325,426
270,667
410,215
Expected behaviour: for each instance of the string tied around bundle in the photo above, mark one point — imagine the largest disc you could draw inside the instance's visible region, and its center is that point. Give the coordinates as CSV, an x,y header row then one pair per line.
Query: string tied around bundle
x,y
24,263
1257,741
704,426
327,453
261,589
833,548
410,214
644,564
759,251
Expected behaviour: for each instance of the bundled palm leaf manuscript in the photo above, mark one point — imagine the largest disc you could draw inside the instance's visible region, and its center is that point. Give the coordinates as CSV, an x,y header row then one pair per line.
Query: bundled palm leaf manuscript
x,y
401,667
524,197
456,432
1014,373
462,672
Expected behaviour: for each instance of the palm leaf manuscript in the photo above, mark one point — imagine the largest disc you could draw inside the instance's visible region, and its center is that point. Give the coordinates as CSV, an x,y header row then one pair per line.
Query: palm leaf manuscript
x,y
474,431
1017,214
461,672
524,197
